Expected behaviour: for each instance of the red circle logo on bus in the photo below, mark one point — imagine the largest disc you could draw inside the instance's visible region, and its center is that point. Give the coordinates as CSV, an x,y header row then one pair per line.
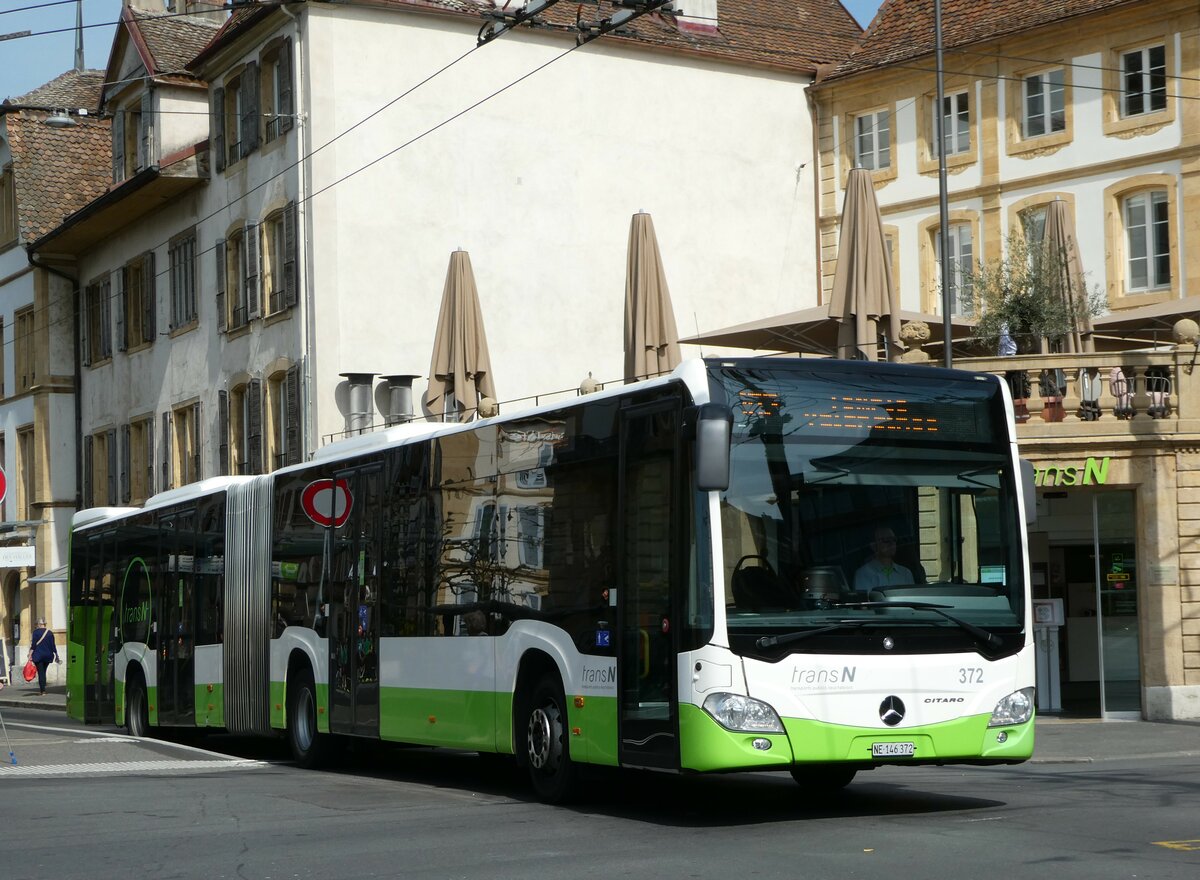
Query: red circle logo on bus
x,y
327,502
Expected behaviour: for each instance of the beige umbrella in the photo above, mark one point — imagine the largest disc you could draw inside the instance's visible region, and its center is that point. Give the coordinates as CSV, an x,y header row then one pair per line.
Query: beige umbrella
x,y
651,340
460,372
1059,237
863,293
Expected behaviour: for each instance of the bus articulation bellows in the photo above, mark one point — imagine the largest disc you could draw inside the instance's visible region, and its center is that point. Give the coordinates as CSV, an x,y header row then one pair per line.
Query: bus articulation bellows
x,y
674,575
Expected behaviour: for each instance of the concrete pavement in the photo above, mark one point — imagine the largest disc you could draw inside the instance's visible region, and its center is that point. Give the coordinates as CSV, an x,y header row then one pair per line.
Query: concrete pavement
x,y
1059,740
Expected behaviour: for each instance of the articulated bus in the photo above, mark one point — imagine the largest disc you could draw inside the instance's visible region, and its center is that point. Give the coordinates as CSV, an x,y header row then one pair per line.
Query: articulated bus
x,y
803,565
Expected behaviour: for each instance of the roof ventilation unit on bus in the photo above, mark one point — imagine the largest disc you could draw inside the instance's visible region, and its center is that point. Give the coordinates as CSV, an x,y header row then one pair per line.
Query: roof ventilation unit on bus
x,y
361,408
399,398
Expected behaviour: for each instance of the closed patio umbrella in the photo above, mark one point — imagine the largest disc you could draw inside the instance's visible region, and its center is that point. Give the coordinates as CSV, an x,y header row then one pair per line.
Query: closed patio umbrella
x,y
651,339
863,293
460,372
1059,239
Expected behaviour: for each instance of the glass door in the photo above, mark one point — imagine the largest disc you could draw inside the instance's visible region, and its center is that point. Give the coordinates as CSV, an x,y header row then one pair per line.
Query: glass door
x,y
1114,521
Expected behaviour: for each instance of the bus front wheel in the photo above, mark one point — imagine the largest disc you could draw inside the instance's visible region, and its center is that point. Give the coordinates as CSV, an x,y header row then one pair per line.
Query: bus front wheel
x,y
307,744
546,748
823,777
137,707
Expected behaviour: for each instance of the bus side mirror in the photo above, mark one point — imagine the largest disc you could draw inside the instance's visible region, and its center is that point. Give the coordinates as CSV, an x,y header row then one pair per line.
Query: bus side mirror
x,y
1029,489
714,427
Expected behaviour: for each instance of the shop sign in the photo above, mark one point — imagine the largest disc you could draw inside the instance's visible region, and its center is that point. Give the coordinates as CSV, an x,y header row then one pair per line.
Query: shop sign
x,y
16,557
1094,472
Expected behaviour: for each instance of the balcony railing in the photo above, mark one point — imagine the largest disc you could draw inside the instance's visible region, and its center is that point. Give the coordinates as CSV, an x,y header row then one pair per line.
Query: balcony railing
x,y
1143,392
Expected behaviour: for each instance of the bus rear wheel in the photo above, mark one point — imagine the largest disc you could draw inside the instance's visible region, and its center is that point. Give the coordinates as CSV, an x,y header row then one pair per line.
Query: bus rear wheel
x,y
823,777
137,707
545,747
306,742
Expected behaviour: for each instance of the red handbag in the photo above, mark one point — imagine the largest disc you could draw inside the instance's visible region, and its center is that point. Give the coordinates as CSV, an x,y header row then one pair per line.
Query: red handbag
x,y
30,671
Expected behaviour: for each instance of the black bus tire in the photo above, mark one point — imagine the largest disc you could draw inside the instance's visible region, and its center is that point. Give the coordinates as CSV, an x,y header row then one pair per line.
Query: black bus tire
x,y
137,706
545,742
305,740
823,777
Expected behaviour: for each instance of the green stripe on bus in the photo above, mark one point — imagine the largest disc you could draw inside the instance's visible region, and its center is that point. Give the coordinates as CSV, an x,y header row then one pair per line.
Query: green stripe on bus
x,y
210,707
706,745
816,742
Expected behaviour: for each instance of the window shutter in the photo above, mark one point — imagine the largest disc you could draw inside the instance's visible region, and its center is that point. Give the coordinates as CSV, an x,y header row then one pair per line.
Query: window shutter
x,y
110,448
89,498
167,475
250,114
148,430
85,351
292,425
254,432
106,318
126,459
122,306
223,432
149,297
220,250
118,146
253,272
146,132
218,128
196,441
285,108
291,255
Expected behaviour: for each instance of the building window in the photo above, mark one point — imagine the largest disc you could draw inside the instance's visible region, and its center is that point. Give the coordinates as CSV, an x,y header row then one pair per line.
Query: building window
x,y
962,263
238,272
1144,81
182,254
235,117
181,446
277,90
27,473
1033,225
279,259
133,138
1045,104
136,303
96,326
956,124
137,457
240,420
8,208
283,418
872,140
100,469
1148,241
23,349
232,124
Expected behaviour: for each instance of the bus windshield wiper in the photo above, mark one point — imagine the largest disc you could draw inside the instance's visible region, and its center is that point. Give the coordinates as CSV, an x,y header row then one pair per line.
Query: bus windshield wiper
x,y
989,640
788,638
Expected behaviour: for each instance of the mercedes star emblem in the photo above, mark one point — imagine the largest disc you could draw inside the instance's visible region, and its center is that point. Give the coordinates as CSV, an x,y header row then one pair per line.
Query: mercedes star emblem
x,y
891,711
888,643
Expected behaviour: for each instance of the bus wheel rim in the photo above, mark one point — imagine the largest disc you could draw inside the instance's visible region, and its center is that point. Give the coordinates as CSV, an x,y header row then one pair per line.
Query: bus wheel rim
x,y
541,738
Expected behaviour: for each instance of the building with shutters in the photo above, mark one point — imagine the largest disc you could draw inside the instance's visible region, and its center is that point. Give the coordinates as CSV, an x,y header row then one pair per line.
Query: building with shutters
x,y
45,173
288,182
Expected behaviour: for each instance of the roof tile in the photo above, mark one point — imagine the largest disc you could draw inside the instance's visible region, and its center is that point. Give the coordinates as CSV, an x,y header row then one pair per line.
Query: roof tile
x,y
75,89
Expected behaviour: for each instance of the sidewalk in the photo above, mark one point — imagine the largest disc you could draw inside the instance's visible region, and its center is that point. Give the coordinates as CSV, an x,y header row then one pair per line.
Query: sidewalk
x,y
1059,740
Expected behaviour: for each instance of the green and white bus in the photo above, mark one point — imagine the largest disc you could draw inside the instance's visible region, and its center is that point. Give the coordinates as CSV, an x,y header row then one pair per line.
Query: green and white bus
x,y
662,575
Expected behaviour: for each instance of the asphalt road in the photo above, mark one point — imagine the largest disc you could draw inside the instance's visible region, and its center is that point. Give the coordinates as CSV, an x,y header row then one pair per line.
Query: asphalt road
x,y
92,804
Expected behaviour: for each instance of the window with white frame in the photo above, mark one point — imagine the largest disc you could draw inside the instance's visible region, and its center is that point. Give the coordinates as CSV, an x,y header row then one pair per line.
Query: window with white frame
x,y
1045,104
962,267
182,254
873,140
956,124
1033,224
1148,241
1143,81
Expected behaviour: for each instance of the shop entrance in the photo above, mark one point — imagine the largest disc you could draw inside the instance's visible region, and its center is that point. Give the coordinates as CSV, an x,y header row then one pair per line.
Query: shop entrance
x,y
1085,563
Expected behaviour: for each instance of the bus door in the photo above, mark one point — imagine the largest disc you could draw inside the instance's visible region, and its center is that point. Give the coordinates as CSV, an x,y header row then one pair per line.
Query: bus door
x,y
648,556
354,606
176,618
92,627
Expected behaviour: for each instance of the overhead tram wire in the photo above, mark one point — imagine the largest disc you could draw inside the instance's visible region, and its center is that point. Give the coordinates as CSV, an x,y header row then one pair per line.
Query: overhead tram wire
x,y
37,6
600,29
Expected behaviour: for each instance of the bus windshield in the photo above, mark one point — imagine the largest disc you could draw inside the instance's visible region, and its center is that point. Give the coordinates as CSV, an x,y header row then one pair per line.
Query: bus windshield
x,y
869,511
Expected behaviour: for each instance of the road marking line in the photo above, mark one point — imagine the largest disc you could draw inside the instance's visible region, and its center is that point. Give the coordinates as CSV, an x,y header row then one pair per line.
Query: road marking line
x,y
1181,845
172,766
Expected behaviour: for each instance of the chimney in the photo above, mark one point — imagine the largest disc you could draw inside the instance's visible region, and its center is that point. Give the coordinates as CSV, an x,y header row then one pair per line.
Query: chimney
x,y
361,410
400,399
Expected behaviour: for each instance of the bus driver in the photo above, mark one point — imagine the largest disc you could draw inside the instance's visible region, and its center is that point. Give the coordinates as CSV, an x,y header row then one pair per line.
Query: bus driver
x,y
882,570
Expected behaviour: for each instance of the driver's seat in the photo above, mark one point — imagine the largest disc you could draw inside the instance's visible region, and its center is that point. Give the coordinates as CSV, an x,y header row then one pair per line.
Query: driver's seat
x,y
756,586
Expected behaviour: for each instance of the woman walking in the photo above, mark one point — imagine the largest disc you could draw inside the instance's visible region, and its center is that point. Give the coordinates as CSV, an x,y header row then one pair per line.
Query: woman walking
x,y
41,651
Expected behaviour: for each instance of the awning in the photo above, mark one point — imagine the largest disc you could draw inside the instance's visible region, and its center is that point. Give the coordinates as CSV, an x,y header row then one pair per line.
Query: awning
x,y
54,576
1151,323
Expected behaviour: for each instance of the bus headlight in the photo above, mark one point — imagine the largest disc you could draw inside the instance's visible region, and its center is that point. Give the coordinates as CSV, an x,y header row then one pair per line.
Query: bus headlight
x,y
1016,708
746,714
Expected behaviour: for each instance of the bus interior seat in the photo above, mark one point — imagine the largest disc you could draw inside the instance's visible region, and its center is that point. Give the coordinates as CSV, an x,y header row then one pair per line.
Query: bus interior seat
x,y
756,586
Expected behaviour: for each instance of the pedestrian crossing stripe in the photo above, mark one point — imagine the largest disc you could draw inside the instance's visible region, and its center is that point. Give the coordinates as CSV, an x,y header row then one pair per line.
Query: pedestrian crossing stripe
x,y
116,767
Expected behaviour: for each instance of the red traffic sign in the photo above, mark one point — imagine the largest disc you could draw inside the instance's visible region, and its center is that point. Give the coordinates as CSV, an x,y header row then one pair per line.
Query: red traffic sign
x,y
3,485
327,502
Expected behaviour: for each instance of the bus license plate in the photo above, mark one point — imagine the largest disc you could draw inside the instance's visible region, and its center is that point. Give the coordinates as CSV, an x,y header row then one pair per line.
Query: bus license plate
x,y
893,750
